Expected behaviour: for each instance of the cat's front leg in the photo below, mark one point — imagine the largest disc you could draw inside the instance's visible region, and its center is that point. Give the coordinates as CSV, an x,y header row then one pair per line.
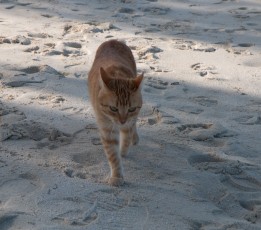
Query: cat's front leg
x,y
128,136
110,143
125,140
135,136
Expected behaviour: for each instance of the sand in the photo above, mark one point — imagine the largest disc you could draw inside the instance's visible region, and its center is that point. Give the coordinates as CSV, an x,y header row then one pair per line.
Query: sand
x,y
198,162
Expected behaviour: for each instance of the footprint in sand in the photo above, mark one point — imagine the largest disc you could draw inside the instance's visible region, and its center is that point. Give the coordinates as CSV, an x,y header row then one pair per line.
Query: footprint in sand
x,y
249,120
96,203
32,49
204,132
253,107
75,45
191,45
8,116
71,210
241,188
77,217
87,158
88,163
162,117
161,70
204,70
148,115
80,29
254,208
11,197
255,62
15,126
189,109
7,219
36,69
246,45
10,7
179,26
39,35
215,164
26,129
19,39
244,12
155,10
66,49
157,86
45,99
109,200
47,15
125,10
148,53
42,72
181,44
204,101
126,206
239,149
32,74
49,45
71,49
156,83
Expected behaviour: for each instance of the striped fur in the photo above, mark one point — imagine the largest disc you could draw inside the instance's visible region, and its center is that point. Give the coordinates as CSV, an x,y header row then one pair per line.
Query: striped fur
x,y
115,94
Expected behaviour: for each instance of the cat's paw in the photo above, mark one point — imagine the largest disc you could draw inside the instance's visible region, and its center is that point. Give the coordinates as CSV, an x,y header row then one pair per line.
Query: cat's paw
x,y
116,181
135,139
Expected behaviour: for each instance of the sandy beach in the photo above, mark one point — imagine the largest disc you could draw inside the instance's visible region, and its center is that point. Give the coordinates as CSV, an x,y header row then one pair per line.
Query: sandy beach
x,y
198,163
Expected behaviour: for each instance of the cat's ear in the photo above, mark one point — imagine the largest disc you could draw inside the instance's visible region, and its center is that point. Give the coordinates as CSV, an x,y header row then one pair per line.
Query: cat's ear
x,y
105,79
137,81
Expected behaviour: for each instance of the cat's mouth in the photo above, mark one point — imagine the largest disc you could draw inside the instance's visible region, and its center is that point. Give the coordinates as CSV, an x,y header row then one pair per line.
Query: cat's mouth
x,y
123,123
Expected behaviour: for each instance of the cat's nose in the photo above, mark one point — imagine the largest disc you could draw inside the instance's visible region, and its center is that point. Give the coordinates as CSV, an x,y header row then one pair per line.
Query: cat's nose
x,y
123,120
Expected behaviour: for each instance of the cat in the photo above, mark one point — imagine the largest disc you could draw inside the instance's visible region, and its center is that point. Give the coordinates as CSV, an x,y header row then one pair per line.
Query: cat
x,y
115,94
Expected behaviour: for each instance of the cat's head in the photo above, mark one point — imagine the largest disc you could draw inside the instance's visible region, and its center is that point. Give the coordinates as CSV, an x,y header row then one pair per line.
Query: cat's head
x,y
120,99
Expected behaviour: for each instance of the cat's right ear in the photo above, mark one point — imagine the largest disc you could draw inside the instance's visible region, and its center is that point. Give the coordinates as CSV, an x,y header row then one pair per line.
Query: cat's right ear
x,y
104,79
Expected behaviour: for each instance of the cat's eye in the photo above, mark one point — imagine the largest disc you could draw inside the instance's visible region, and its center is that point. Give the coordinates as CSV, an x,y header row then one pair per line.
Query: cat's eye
x,y
132,109
113,109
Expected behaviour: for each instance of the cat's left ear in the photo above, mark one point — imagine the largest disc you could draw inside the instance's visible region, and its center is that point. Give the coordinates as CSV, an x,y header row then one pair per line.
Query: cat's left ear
x,y
137,81
104,77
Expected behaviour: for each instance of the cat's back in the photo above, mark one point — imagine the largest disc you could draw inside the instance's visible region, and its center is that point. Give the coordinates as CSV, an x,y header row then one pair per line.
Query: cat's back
x,y
117,50
113,53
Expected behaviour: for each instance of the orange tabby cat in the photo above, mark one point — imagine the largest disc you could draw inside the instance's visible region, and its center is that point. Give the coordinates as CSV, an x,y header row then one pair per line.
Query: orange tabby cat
x,y
115,94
